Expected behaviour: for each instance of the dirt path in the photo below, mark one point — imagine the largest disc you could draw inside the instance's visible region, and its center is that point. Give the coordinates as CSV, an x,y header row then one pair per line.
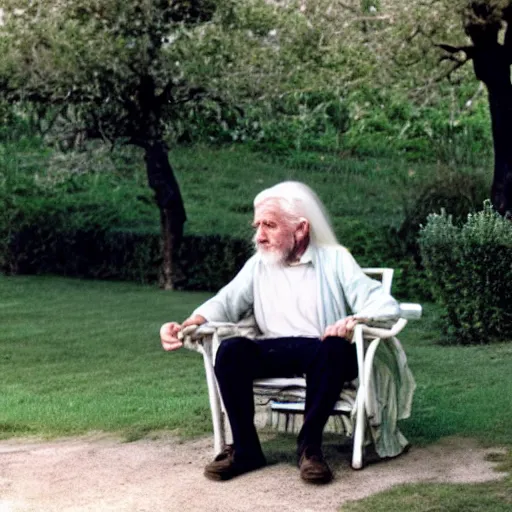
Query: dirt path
x,y
102,474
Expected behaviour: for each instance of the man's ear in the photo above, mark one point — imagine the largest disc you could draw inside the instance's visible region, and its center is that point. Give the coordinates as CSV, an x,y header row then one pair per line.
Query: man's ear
x,y
302,228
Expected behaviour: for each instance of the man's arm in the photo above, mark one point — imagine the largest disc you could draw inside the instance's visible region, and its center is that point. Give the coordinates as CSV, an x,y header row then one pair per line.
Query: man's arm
x,y
228,305
234,300
365,296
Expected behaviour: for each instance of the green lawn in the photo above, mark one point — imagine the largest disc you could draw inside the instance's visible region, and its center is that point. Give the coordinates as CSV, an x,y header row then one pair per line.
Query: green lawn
x,y
79,356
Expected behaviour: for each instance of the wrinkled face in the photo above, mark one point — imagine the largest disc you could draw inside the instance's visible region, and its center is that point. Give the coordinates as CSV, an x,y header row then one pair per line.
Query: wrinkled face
x,y
276,237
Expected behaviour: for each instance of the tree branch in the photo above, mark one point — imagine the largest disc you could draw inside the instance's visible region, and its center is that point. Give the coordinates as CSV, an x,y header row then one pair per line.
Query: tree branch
x,y
456,49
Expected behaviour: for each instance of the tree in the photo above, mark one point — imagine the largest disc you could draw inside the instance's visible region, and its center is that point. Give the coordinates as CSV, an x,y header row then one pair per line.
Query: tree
x,y
418,46
109,60
488,24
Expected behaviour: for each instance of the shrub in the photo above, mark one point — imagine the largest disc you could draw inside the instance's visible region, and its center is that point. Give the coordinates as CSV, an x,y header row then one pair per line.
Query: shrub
x,y
205,262
470,269
457,193
208,262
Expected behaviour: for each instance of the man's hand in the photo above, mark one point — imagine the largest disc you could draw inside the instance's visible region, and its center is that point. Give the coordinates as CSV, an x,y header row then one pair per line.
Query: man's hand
x,y
343,328
169,332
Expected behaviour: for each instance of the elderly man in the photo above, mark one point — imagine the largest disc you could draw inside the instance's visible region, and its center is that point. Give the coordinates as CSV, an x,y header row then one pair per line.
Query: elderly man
x,y
306,293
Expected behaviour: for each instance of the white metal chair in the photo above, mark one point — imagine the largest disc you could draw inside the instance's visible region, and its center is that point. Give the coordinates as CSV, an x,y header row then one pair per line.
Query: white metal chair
x,y
368,409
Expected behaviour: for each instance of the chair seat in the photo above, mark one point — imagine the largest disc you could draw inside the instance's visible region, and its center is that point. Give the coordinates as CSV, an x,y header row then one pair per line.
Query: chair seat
x,y
289,416
342,406
288,395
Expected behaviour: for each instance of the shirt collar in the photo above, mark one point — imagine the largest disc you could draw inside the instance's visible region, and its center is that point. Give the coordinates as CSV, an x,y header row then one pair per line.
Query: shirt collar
x,y
307,257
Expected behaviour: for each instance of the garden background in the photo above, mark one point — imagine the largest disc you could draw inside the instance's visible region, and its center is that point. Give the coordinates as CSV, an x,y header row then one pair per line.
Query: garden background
x,y
357,99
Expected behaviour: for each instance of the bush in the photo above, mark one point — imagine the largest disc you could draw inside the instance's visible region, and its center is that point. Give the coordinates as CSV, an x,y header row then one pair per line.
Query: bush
x,y
209,262
204,262
90,253
457,193
470,269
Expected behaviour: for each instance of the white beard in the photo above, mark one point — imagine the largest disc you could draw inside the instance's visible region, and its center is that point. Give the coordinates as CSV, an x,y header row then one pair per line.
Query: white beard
x,y
271,258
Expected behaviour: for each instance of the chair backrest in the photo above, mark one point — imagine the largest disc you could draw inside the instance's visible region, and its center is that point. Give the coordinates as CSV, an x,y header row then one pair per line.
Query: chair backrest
x,y
384,275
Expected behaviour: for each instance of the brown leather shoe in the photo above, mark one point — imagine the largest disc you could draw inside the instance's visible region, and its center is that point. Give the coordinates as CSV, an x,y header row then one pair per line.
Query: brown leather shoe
x,y
225,466
313,468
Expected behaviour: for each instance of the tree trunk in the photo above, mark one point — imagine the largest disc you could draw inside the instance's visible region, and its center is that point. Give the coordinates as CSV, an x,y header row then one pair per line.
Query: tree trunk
x,y
492,66
172,212
501,114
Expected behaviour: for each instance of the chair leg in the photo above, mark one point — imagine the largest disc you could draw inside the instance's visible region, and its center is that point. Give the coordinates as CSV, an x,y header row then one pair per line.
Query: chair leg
x,y
219,433
357,454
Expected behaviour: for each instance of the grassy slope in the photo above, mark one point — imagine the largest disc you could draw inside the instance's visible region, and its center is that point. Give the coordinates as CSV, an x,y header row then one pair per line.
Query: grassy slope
x,y
226,181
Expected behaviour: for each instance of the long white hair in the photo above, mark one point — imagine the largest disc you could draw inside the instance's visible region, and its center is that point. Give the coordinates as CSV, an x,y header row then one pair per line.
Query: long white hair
x,y
298,200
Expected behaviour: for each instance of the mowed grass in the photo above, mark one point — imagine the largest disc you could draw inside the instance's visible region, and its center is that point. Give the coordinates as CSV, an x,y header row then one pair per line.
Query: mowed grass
x,y
461,390
487,497
80,355
77,356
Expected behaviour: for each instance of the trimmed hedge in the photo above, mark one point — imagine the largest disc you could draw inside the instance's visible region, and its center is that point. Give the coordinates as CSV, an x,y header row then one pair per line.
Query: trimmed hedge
x,y
209,262
470,270
91,253
204,262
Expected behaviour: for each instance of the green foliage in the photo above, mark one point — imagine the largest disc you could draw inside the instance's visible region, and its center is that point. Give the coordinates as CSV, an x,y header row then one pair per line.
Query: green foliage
x,y
385,122
470,268
89,251
300,121
332,78
455,192
14,124
368,122
90,213
210,261
280,77
107,62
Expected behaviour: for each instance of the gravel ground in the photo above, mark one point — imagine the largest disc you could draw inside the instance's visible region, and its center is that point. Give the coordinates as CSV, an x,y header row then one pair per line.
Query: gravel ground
x,y
100,473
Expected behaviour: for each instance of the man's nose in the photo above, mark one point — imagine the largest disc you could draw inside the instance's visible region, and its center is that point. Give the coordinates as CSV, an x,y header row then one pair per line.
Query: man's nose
x,y
261,235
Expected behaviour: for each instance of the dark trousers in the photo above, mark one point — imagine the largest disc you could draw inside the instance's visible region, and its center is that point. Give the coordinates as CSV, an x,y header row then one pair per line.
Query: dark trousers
x,y
327,365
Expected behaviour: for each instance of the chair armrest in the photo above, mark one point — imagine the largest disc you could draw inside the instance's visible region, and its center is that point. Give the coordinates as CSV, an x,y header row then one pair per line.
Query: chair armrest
x,y
195,336
205,332
410,311
377,332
